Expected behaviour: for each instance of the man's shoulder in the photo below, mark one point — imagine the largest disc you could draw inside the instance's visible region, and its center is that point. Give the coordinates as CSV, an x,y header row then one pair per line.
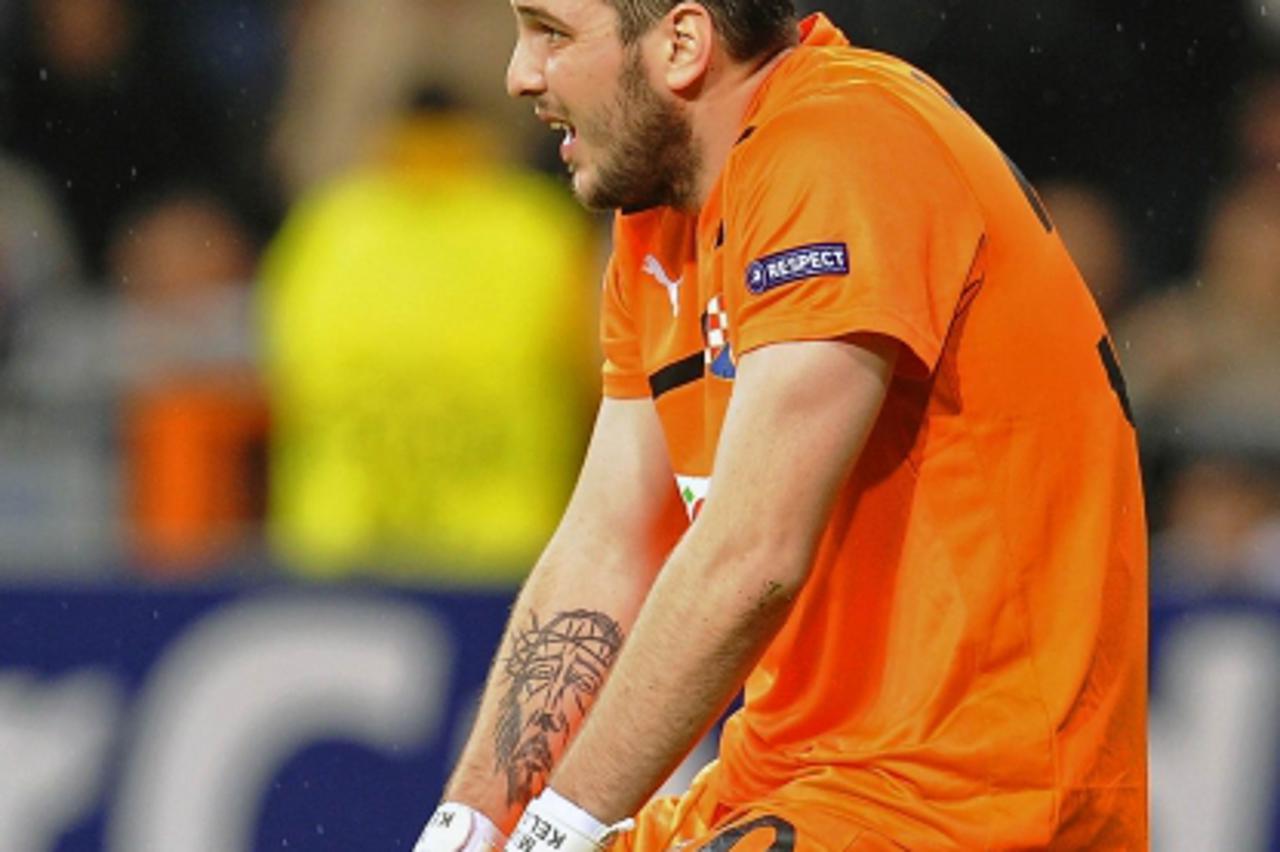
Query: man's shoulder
x,y
843,115
826,81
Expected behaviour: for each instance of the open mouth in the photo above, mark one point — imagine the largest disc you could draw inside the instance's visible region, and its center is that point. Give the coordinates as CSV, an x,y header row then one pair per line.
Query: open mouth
x,y
560,125
566,128
566,143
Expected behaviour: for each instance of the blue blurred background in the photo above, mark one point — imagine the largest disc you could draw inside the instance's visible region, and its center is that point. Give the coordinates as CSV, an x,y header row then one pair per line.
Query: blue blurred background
x,y
297,360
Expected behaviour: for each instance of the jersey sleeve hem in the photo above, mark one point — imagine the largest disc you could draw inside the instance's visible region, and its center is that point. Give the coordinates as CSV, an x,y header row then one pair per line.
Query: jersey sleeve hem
x,y
626,387
923,349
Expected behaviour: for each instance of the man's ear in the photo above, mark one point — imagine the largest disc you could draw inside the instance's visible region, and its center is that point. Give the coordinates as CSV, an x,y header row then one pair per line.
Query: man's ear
x,y
689,41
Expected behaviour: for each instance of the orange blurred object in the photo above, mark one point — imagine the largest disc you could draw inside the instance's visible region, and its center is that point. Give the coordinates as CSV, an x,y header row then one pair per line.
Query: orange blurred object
x,y
194,473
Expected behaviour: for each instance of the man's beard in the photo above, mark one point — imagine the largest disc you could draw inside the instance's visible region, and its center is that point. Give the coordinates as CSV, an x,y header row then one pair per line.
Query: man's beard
x,y
647,153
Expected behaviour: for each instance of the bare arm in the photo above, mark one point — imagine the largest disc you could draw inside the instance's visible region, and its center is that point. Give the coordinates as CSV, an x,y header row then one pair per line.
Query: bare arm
x,y
569,620
799,416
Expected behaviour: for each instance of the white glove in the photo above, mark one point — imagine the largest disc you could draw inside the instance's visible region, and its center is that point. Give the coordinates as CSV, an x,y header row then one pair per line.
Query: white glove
x,y
458,828
552,823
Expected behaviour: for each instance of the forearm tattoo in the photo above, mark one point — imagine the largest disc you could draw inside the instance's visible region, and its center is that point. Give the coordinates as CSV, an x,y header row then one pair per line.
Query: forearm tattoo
x,y
553,672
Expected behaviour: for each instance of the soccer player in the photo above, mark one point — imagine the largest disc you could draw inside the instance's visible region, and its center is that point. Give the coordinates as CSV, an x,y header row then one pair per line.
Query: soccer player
x,y
839,324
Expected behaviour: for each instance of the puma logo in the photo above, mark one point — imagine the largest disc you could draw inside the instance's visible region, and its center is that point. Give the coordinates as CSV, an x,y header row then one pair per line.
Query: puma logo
x,y
654,268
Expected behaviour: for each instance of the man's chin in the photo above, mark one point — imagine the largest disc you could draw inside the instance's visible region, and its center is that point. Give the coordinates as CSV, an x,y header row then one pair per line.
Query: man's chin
x,y
586,191
593,196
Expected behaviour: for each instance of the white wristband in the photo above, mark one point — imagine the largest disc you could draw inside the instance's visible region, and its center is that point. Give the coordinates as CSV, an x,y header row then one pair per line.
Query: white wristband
x,y
552,823
457,828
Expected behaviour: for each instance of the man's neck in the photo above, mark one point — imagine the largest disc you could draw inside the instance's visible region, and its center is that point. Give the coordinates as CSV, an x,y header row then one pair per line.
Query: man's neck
x,y
718,113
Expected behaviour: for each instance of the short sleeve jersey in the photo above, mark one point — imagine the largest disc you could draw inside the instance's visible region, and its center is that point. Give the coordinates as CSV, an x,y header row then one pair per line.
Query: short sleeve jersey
x,y
966,666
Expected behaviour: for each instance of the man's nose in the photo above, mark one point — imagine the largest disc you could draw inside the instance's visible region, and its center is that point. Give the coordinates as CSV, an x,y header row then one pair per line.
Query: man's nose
x,y
524,72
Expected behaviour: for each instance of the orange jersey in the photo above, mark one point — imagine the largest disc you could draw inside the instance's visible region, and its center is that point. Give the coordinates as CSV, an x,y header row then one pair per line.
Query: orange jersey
x,y
966,666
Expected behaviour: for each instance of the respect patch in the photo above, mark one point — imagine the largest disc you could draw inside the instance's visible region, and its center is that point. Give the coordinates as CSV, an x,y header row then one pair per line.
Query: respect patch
x,y
795,264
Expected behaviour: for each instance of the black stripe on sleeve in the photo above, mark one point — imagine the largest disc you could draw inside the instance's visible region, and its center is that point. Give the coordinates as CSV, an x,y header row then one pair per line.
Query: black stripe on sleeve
x,y
677,374
1032,197
1115,376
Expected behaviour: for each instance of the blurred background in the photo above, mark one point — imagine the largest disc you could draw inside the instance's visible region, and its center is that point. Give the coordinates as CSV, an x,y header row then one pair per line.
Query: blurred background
x,y
297,361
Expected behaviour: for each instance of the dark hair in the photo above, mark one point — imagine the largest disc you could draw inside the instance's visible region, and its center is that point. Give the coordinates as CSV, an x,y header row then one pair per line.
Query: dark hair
x,y
750,28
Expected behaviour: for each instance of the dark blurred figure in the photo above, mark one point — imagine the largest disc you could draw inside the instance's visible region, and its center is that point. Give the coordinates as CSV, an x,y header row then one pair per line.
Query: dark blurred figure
x,y
194,415
1221,531
1258,128
39,259
54,490
1205,355
232,53
8,30
91,103
1098,238
1203,362
142,423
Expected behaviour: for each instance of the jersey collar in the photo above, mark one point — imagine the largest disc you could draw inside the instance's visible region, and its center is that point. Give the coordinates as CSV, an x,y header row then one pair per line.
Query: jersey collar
x,y
816,30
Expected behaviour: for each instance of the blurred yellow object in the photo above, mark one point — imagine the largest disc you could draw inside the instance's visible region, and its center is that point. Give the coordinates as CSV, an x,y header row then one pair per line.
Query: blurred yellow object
x,y
430,361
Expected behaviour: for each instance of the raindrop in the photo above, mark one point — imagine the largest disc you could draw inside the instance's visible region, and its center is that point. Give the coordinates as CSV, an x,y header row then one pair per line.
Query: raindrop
x,y
320,829
35,235
68,184
1119,27
44,75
